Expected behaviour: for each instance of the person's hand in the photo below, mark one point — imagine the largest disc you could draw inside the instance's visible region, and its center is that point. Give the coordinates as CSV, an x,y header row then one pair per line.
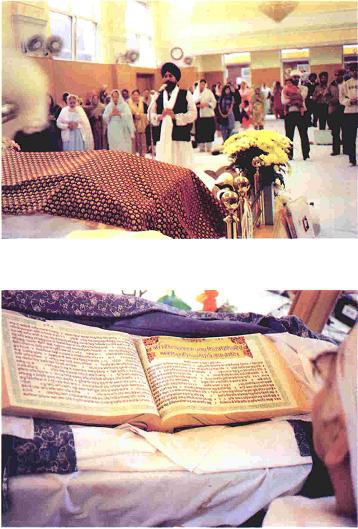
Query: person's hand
x,y
168,112
115,112
203,105
14,146
70,125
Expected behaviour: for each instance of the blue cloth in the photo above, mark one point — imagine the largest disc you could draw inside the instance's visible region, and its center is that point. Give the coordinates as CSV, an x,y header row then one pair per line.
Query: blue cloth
x,y
120,129
75,142
52,449
303,434
226,132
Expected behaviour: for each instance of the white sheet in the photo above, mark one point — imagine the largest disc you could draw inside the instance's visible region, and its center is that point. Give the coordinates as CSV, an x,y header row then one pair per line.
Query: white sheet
x,y
149,499
45,226
200,450
18,426
304,512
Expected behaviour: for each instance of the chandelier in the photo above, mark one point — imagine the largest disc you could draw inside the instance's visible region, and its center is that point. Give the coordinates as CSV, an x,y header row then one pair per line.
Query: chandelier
x,y
277,10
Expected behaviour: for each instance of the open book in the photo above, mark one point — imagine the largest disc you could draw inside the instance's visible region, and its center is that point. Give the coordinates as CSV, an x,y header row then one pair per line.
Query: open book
x,y
87,375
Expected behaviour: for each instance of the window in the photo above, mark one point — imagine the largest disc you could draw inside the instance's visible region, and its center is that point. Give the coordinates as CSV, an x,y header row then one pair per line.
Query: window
x,y
76,23
139,25
85,40
61,25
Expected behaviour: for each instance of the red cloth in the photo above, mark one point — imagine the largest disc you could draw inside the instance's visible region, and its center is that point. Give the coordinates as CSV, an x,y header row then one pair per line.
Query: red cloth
x,y
112,187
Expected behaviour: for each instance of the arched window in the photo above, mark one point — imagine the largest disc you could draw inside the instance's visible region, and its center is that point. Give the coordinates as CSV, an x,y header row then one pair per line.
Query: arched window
x,y
77,24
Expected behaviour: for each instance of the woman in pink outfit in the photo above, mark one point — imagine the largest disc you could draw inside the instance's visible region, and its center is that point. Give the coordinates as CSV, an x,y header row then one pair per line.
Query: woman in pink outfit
x,y
245,93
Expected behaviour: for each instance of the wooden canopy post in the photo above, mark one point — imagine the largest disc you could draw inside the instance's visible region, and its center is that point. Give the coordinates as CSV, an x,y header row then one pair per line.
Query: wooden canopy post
x,y
314,307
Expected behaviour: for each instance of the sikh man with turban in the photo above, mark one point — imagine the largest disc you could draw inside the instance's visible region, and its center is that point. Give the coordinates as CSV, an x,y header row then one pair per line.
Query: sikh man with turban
x,y
174,111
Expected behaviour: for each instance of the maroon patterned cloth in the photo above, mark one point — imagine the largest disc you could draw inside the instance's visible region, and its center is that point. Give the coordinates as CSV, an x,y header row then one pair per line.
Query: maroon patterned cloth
x,y
112,187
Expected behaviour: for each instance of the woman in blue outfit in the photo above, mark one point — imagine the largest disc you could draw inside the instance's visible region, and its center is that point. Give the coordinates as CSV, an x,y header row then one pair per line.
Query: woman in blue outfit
x,y
75,128
119,118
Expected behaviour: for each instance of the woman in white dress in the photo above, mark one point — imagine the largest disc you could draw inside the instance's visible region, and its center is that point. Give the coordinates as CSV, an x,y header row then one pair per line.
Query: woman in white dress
x,y
75,128
118,116
205,124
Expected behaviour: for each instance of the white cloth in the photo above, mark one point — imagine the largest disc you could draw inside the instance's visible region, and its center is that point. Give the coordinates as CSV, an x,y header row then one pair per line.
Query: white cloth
x,y
84,126
120,129
266,91
147,499
201,450
41,226
87,131
304,512
164,144
349,90
169,151
18,426
206,97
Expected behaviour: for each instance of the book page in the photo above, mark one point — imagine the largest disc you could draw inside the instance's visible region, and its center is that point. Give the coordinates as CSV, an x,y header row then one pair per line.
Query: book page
x,y
78,369
219,376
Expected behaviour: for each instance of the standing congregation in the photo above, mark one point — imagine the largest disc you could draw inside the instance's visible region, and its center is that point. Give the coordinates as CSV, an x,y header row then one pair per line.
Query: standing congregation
x,y
198,115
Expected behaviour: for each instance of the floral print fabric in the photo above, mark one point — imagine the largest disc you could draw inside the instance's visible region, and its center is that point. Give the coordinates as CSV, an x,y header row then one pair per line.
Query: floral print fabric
x,y
112,187
51,450
83,306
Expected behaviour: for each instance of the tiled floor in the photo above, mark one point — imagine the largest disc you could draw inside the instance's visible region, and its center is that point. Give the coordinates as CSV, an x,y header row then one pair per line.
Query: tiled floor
x,y
327,181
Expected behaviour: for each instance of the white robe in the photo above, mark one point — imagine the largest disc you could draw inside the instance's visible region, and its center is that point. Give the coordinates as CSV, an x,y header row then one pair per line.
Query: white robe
x,y
208,98
84,126
174,152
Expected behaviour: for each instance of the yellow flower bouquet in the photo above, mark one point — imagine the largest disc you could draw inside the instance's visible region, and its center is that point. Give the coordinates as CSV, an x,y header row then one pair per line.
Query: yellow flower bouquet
x,y
263,150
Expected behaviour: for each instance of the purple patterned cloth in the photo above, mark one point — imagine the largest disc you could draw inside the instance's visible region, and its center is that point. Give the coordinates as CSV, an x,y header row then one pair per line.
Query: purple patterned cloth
x,y
52,449
139,316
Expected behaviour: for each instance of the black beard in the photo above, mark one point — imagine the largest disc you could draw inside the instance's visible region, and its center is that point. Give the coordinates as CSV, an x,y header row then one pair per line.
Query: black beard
x,y
295,82
170,85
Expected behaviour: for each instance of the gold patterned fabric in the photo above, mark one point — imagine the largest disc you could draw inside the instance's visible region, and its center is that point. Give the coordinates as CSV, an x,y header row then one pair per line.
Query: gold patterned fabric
x,y
112,187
